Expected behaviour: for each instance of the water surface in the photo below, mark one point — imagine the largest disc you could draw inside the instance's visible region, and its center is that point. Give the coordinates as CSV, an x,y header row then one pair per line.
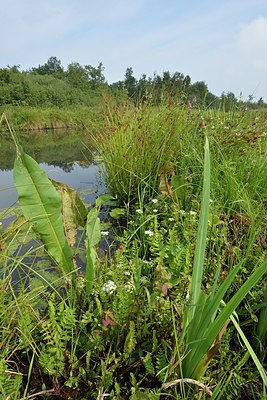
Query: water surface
x,y
65,156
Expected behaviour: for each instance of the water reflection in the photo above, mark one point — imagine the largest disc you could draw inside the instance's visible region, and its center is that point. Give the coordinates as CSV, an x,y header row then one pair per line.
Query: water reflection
x,y
65,156
57,148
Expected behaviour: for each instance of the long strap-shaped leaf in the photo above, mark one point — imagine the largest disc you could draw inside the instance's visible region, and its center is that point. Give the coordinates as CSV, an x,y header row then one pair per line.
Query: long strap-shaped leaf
x,y
201,236
41,204
93,236
198,361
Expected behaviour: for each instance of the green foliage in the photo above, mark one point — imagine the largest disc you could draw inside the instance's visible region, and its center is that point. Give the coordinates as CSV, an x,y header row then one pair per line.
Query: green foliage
x,y
9,383
130,341
41,204
57,329
93,236
152,311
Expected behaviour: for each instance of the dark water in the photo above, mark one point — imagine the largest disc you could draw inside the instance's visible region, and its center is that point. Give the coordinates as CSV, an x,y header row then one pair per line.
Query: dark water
x,y
66,157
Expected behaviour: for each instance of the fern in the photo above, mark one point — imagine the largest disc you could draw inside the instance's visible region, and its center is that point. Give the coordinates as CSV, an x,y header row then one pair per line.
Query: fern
x,y
156,244
161,365
148,364
130,341
9,384
57,331
26,325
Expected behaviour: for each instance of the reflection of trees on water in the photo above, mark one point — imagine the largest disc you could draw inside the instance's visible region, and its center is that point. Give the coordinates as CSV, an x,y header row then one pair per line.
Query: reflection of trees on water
x,y
69,166
62,152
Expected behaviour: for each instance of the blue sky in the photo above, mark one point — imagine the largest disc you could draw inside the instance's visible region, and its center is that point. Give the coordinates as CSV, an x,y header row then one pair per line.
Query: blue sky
x,y
221,42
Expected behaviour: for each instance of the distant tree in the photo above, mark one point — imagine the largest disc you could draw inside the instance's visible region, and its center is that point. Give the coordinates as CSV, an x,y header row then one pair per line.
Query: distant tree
x,y
260,103
14,68
143,88
95,75
130,83
119,85
77,75
228,100
52,66
186,83
198,92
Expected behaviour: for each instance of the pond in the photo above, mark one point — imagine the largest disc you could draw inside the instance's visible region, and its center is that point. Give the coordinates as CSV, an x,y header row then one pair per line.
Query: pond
x,y
65,156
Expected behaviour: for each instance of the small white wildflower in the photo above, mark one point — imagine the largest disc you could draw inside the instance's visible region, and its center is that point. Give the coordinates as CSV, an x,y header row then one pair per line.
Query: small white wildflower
x,y
127,273
155,211
109,287
213,127
104,233
171,219
192,213
149,233
67,280
129,287
138,211
182,212
154,201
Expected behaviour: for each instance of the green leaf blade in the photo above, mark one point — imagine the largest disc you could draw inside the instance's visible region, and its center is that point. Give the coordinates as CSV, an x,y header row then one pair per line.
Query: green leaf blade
x,y
41,204
201,234
93,236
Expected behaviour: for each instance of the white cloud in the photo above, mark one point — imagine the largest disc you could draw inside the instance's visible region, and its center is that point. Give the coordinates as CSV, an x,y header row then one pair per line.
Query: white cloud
x,y
251,43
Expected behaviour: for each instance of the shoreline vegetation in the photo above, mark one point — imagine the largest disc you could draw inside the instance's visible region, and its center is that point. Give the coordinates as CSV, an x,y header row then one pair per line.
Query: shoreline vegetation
x,y
34,119
164,298
49,96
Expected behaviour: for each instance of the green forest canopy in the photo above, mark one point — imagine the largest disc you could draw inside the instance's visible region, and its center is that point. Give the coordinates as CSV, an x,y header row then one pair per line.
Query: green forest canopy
x,y
50,85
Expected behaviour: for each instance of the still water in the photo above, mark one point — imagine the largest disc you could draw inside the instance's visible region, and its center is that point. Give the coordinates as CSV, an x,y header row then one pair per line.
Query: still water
x,y
66,157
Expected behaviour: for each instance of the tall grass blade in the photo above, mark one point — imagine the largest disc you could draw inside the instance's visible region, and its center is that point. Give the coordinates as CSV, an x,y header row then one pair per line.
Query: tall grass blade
x,y
262,324
199,358
251,351
201,235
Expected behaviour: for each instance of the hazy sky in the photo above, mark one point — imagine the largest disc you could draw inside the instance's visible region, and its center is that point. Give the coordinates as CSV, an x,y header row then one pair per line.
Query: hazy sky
x,y
223,42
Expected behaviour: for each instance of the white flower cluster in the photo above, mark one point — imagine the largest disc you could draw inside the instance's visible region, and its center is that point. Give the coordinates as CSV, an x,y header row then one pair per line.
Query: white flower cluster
x,y
154,201
192,213
149,233
109,287
138,211
104,233
183,212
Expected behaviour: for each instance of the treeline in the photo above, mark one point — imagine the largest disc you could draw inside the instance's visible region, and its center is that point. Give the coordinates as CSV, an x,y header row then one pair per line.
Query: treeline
x,y
49,85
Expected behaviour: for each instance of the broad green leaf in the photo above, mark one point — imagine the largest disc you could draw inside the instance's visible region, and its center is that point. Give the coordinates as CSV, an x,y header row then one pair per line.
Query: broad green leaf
x,y
104,199
41,205
117,213
73,210
93,228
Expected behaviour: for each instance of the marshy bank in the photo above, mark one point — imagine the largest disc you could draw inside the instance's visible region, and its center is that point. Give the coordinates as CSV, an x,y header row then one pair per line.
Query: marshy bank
x,y
170,314
39,119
